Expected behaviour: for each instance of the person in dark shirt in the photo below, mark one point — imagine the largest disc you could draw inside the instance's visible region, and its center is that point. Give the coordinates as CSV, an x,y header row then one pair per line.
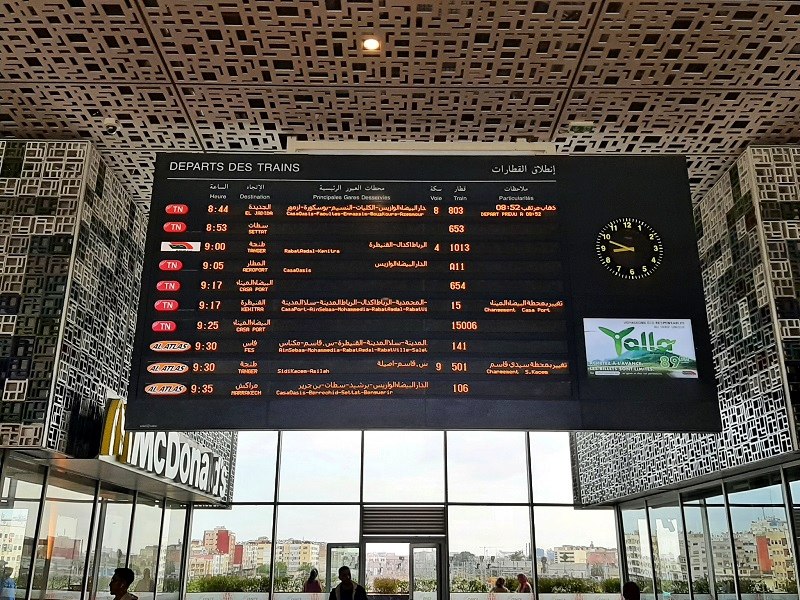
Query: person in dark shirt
x,y
499,586
631,591
120,582
347,589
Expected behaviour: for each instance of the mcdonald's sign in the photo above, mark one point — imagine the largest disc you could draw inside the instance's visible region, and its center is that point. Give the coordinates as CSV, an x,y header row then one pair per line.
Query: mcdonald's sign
x,y
170,456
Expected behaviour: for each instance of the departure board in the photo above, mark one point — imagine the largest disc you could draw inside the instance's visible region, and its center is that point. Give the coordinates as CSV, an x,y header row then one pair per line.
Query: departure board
x,y
331,291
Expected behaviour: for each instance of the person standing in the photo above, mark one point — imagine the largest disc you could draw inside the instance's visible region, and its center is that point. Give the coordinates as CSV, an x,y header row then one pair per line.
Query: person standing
x,y
347,589
499,586
120,582
312,586
145,583
8,587
631,591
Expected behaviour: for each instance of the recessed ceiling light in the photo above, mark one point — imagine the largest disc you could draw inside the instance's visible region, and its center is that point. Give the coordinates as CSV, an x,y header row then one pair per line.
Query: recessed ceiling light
x,y
371,44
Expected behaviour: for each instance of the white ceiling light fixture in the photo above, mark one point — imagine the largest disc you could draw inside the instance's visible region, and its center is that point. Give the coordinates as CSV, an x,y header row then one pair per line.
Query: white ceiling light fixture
x,y
371,44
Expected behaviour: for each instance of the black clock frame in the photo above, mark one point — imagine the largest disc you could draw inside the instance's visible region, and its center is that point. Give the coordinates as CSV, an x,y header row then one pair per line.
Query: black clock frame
x,y
645,259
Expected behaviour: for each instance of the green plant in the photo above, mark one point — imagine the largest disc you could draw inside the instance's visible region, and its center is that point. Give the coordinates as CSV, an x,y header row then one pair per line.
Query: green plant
x,y
752,586
172,584
460,584
675,586
725,586
700,585
385,585
567,585
463,557
228,583
284,583
281,569
611,585
424,585
645,583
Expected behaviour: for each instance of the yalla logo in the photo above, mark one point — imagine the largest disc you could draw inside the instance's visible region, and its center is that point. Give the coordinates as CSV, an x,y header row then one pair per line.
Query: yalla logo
x,y
646,341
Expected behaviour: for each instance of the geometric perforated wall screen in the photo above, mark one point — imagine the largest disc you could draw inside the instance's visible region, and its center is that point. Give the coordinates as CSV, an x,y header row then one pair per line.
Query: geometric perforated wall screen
x,y
71,251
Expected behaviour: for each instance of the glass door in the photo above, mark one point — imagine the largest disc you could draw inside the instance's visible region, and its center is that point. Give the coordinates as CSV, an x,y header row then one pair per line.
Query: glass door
x,y
403,570
340,555
387,569
425,572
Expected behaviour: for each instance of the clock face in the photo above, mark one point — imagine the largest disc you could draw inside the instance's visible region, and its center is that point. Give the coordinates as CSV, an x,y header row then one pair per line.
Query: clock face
x,y
629,248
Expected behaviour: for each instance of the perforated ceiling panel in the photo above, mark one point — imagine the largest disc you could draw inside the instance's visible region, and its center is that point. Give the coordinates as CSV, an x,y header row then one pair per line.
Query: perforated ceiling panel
x,y
704,78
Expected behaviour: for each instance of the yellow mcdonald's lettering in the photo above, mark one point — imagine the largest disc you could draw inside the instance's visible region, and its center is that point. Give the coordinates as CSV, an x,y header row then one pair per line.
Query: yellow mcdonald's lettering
x,y
114,437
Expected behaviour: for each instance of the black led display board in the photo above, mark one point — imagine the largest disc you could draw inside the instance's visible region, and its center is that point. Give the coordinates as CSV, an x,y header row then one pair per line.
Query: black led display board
x,y
423,292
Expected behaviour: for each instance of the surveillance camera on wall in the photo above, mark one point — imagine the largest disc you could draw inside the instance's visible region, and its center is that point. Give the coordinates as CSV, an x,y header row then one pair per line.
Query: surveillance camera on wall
x,y
110,125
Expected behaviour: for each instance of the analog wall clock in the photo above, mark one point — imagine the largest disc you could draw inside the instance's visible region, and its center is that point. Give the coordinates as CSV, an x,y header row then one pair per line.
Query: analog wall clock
x,y
629,248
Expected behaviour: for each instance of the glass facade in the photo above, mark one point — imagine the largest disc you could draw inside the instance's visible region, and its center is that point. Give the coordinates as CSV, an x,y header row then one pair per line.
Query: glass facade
x,y
62,536
709,544
111,546
496,506
63,541
731,540
505,500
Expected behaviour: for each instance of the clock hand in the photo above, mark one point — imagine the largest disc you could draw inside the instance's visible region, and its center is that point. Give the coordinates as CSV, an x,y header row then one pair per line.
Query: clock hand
x,y
621,248
624,248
